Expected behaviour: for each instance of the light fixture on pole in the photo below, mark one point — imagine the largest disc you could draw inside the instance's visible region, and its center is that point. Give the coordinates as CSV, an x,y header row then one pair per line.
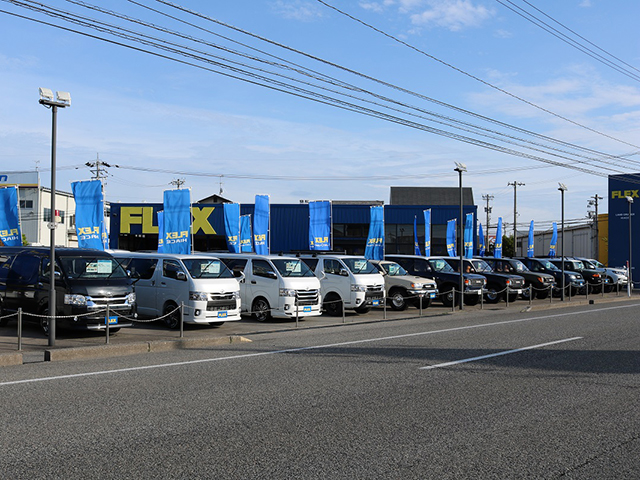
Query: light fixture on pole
x,y
515,186
563,188
629,279
62,100
461,167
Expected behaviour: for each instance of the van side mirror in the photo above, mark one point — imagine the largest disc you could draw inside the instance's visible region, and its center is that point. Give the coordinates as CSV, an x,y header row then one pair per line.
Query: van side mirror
x,y
322,275
343,272
240,276
181,276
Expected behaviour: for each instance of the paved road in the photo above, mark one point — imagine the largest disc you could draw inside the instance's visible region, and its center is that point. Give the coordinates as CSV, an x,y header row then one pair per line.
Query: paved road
x,y
540,394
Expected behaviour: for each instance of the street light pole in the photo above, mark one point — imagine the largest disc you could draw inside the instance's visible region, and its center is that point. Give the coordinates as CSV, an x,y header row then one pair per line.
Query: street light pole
x,y
515,215
563,188
63,99
461,167
629,280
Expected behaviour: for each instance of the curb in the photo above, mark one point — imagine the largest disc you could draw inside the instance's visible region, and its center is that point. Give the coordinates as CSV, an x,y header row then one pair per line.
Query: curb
x,y
102,351
9,359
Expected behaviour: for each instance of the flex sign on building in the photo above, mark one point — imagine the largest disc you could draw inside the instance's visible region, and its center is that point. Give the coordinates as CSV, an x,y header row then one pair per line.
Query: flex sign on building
x,y
621,187
135,219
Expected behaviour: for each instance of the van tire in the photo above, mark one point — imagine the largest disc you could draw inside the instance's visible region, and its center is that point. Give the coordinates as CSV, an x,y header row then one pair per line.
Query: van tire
x,y
332,305
494,293
172,316
44,321
398,299
363,309
471,300
260,310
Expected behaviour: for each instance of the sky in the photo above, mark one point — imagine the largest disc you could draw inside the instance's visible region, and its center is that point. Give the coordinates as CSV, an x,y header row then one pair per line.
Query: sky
x,y
329,100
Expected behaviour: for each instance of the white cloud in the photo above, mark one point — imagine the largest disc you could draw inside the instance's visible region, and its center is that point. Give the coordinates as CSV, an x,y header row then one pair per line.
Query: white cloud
x,y
451,14
585,4
297,10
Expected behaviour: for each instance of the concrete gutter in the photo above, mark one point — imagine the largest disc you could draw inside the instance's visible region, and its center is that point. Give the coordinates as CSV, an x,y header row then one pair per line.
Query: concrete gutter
x,y
121,350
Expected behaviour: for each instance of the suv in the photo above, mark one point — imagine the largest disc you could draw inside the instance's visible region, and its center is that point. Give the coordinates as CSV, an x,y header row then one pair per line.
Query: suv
x,y
498,284
541,283
618,276
594,278
446,278
543,265
402,288
88,284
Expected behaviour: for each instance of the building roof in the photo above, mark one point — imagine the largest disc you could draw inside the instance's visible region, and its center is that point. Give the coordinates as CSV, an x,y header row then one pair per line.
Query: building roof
x,y
430,196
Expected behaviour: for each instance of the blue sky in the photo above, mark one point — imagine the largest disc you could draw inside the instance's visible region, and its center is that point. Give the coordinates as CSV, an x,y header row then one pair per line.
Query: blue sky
x,y
141,111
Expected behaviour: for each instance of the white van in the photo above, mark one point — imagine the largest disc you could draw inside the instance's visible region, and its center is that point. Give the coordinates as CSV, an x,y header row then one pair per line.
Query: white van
x,y
347,280
164,281
273,285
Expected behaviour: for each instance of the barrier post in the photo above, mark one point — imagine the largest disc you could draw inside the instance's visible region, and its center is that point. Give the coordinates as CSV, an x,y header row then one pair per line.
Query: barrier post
x,y
530,294
296,304
384,307
570,289
550,294
587,295
506,295
19,328
181,319
420,300
453,302
344,320
603,287
107,326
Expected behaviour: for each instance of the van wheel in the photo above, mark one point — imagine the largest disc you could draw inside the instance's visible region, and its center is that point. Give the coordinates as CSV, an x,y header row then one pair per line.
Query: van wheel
x,y
261,310
172,316
493,294
333,305
426,302
471,300
44,324
363,309
447,296
398,299
541,294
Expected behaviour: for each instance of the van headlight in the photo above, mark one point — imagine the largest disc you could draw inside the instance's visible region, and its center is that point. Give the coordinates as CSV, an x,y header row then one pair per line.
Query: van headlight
x,y
198,296
75,300
287,292
131,298
358,288
417,286
236,295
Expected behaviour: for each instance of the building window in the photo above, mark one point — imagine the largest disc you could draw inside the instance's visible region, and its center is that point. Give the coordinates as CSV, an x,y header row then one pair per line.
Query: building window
x,y
47,215
26,203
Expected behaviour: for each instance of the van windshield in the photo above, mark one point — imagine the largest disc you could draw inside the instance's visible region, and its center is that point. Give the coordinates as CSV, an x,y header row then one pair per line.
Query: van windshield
x,y
440,265
91,267
360,266
292,268
207,268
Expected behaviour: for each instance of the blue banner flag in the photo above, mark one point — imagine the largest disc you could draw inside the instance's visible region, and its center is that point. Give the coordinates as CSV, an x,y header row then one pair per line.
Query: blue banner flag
x,y
468,236
232,226
427,233
451,238
320,225
481,246
261,225
530,244
554,240
245,234
497,250
90,226
10,234
160,231
416,244
177,221
375,241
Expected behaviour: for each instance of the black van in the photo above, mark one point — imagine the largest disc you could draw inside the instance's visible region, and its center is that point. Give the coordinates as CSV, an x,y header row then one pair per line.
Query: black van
x,y
86,282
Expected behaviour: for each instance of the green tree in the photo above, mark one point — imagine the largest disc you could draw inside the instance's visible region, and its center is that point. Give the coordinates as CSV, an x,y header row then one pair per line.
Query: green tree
x,y
25,242
508,247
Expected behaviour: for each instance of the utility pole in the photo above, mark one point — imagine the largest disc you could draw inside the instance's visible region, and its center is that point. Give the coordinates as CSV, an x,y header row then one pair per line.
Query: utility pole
x,y
515,214
178,182
594,202
487,198
97,172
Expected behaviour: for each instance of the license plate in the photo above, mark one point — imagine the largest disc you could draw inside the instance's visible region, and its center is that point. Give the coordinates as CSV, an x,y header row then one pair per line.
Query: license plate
x,y
306,309
112,320
222,314
375,302
432,295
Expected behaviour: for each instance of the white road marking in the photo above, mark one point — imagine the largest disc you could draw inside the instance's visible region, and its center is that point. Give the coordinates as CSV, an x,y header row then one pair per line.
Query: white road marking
x,y
507,352
300,349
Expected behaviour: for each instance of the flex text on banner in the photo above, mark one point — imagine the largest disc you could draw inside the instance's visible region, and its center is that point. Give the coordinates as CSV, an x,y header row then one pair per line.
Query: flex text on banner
x,y
177,221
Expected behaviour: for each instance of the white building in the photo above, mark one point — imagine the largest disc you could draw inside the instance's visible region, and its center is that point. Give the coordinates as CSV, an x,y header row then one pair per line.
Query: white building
x,y
35,210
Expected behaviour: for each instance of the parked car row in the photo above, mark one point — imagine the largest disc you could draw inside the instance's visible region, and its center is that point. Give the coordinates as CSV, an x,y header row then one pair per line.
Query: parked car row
x,y
213,288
